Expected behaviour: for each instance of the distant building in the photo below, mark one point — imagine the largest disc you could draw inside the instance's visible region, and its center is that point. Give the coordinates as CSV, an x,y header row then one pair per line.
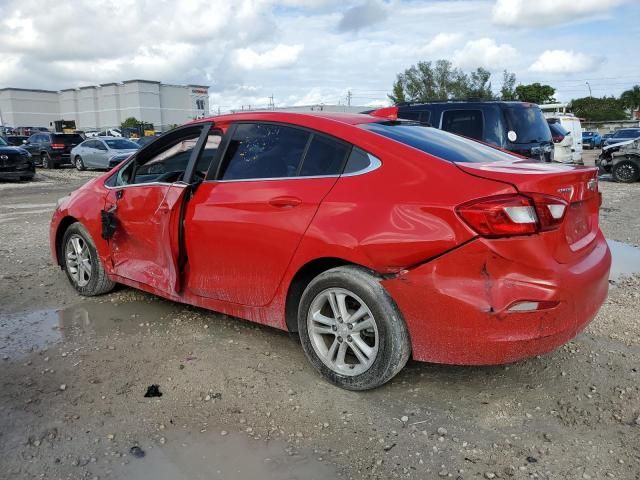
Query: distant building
x,y
106,105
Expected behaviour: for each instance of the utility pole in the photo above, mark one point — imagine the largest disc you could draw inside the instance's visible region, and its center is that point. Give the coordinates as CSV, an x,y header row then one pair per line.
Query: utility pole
x,y
272,105
589,88
349,97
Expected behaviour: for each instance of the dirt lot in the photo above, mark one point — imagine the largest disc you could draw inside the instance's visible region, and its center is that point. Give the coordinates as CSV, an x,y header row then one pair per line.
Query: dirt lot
x,y
240,401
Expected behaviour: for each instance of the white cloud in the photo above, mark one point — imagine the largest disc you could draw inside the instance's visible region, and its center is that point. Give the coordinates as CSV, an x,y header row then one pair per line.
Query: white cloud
x,y
530,13
278,57
362,16
484,52
565,61
440,42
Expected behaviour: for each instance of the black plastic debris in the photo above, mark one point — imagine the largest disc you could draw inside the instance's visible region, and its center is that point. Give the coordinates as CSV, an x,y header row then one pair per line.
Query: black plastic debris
x,y
532,459
153,391
137,451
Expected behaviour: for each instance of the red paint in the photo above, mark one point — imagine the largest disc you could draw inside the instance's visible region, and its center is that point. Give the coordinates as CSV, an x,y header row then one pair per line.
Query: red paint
x,y
246,240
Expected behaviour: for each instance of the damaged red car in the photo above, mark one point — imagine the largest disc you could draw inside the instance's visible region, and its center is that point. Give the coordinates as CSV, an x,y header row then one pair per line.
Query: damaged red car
x,y
376,239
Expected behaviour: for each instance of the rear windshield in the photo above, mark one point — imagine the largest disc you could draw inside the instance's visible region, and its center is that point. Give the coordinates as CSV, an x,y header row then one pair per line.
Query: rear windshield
x,y
67,139
439,143
121,144
557,129
528,122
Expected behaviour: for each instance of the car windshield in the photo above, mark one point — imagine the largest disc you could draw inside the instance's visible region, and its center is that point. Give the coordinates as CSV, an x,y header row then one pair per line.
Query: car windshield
x,y
2,142
439,143
528,123
121,144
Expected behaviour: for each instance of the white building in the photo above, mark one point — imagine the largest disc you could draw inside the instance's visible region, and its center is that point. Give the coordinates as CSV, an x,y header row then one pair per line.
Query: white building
x,y
106,105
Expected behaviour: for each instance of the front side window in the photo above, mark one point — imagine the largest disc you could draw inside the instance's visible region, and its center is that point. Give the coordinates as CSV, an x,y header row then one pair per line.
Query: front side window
x,y
463,122
258,151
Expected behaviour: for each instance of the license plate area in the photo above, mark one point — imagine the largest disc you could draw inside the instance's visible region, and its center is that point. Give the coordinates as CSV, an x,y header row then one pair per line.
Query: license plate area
x,y
578,222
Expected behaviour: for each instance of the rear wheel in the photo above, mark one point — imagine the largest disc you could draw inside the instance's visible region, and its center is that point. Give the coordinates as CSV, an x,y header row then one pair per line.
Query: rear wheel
x,y
82,263
626,171
47,161
79,163
351,330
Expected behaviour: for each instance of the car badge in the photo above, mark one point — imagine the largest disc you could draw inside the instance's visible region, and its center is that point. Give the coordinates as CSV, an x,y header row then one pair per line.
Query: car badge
x,y
4,157
566,191
593,184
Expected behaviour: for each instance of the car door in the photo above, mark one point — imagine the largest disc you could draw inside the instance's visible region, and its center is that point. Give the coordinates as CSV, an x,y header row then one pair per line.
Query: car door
x,y
144,203
243,225
33,147
100,155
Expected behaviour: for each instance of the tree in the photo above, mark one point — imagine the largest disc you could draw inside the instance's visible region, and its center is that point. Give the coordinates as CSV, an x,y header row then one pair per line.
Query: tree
x,y
631,98
131,122
440,80
598,109
535,93
508,92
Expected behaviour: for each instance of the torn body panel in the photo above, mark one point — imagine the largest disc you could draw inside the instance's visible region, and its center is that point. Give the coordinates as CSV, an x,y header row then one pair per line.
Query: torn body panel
x,y
459,307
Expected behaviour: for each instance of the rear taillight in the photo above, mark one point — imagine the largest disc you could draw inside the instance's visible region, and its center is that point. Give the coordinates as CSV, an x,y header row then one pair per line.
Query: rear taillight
x,y
508,215
57,145
558,138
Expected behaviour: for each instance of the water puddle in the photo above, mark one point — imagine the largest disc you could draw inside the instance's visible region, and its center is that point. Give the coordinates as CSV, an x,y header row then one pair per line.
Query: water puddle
x,y
212,456
625,260
27,332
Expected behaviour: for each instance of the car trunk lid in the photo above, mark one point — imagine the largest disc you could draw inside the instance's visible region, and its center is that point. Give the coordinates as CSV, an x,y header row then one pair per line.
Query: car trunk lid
x,y
577,185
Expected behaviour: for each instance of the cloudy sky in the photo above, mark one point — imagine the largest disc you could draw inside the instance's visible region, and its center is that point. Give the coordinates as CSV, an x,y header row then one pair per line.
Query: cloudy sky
x,y
310,51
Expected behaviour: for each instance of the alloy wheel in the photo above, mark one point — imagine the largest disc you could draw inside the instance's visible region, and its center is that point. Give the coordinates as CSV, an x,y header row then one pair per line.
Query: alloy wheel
x,y
343,331
78,259
625,172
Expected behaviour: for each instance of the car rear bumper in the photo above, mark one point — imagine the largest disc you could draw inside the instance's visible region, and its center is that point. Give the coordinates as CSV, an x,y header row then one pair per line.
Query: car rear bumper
x,y
457,306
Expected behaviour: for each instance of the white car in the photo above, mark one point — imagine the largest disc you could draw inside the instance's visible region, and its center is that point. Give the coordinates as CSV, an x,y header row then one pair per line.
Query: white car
x,y
571,123
562,143
110,132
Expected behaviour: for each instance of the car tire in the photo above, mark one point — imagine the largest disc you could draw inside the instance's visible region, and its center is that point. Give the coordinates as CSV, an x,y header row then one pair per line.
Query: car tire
x,y
79,163
366,343
626,171
47,161
81,262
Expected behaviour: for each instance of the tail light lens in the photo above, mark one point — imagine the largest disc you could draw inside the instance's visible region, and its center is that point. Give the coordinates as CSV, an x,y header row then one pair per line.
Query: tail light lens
x,y
57,145
509,215
558,138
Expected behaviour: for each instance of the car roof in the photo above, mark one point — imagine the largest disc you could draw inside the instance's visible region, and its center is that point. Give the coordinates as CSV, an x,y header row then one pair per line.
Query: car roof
x,y
293,117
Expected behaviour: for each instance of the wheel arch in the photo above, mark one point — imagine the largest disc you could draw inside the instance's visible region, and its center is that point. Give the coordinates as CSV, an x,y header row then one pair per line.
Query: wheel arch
x,y
64,224
303,277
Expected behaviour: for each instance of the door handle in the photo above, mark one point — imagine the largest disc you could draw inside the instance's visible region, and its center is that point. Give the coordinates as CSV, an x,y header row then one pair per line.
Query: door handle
x,y
285,202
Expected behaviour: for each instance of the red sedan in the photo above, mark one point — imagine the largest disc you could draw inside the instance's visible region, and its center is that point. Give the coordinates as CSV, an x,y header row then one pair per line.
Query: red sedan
x,y
375,239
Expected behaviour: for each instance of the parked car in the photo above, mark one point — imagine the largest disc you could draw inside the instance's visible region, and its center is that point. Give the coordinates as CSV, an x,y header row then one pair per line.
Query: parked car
x,y
591,140
110,132
375,239
605,136
91,132
15,163
622,135
622,160
102,152
16,140
515,126
562,143
50,150
572,124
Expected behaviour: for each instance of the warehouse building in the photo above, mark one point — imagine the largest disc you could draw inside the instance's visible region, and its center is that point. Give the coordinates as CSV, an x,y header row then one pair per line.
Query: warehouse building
x,y
106,105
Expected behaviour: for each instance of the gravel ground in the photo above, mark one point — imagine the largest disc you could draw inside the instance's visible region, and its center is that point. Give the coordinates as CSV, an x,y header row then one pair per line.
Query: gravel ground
x,y
75,371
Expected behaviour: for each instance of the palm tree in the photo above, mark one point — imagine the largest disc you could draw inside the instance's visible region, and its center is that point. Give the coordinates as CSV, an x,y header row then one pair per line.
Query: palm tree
x,y
631,98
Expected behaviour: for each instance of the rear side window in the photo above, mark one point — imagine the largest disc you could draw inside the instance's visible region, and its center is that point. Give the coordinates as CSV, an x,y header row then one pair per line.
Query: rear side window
x,y
324,157
359,160
437,142
423,116
463,122
263,151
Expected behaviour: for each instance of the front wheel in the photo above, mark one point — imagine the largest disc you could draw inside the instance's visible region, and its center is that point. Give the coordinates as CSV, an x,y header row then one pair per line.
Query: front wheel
x,y
626,171
82,263
79,163
351,330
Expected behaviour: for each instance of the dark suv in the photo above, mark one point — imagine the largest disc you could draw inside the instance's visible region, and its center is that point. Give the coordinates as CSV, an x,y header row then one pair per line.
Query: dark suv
x,y
516,126
50,150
